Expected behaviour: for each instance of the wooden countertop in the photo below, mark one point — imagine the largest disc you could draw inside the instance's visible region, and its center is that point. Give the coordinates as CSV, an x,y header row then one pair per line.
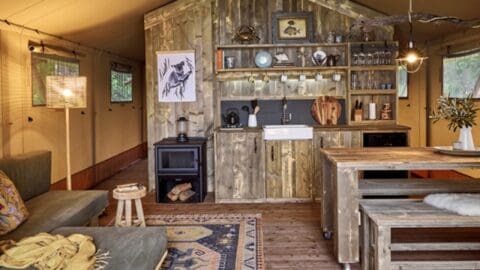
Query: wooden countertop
x,y
328,128
397,158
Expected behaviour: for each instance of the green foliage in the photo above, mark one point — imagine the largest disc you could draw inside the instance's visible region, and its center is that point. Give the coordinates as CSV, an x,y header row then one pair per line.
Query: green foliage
x,y
459,112
462,72
121,86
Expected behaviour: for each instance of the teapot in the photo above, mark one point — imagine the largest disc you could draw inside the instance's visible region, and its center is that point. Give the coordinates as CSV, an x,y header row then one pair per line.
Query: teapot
x,y
232,118
332,59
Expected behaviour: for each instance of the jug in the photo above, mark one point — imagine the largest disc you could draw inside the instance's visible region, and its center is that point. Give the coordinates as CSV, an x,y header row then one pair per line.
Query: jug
x,y
332,60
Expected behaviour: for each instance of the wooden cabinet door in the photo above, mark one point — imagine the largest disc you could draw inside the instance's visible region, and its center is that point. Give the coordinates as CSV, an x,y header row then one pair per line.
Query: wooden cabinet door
x,y
239,166
288,166
331,139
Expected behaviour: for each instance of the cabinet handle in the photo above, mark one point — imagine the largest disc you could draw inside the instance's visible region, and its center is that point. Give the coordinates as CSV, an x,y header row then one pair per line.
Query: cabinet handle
x,y
255,145
321,142
272,154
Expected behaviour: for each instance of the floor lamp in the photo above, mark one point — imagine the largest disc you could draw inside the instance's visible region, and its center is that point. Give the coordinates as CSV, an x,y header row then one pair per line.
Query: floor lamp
x,y
67,92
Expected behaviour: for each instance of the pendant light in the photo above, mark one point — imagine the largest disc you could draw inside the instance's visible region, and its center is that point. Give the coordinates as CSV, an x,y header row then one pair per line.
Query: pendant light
x,y
411,58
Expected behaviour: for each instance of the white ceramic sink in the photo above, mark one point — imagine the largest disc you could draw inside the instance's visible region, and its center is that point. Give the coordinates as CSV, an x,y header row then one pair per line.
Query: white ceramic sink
x,y
287,132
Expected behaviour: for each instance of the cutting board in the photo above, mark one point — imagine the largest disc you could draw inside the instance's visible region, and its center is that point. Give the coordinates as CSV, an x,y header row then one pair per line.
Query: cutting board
x,y
326,110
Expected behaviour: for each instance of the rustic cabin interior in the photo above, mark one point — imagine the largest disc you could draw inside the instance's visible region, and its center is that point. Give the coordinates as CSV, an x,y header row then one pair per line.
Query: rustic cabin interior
x,y
239,134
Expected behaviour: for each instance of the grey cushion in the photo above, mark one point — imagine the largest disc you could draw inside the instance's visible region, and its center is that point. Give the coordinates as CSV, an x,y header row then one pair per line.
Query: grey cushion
x,y
29,172
60,208
130,248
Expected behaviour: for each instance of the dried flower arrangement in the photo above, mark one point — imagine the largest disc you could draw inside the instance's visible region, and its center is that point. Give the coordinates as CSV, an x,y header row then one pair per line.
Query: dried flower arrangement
x,y
460,112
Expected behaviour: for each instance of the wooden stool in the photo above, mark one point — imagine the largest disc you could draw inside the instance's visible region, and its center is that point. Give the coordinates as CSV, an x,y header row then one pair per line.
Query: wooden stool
x,y
125,201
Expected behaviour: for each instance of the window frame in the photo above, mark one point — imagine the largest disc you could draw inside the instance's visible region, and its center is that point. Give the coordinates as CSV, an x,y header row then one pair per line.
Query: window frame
x,y
50,57
121,68
455,55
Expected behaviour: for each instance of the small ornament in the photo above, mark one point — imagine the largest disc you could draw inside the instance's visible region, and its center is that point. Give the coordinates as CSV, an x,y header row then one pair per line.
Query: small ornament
x,y
246,33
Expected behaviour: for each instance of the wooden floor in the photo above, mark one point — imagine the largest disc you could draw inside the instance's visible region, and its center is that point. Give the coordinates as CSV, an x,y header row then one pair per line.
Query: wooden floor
x,y
292,234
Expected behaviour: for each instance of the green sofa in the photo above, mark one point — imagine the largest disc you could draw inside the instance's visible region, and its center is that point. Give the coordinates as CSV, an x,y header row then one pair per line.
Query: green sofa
x,y
66,212
48,209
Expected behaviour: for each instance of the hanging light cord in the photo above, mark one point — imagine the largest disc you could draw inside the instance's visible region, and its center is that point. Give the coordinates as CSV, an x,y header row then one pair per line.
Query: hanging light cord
x,y
410,11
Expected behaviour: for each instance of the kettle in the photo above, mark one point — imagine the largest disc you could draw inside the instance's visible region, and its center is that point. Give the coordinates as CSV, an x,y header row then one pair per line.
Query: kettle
x,y
232,118
332,60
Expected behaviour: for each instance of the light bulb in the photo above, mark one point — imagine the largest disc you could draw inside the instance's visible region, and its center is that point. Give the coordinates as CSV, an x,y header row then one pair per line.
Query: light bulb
x,y
67,92
412,57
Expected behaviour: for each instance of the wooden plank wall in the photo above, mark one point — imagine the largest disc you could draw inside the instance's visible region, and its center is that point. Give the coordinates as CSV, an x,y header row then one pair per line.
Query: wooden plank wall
x,y
183,25
230,14
201,25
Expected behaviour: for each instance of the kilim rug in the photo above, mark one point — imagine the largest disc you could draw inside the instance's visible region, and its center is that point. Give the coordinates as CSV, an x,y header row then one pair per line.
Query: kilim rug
x,y
212,242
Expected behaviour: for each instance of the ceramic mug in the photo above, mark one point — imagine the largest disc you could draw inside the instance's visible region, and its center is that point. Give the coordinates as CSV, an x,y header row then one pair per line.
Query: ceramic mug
x,y
318,77
337,77
302,77
283,78
252,120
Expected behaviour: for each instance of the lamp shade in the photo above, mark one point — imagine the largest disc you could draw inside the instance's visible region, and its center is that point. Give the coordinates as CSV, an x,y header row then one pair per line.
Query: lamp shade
x,y
66,91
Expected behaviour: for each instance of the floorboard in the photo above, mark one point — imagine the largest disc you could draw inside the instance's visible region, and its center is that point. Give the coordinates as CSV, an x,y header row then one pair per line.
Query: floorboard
x,y
291,231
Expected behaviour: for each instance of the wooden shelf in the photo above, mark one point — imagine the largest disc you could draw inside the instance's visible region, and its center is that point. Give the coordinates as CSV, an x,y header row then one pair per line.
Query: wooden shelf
x,y
374,67
374,92
374,122
284,69
380,42
293,45
248,98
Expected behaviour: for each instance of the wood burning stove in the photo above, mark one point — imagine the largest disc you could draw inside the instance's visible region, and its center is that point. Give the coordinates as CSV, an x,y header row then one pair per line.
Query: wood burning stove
x,y
178,163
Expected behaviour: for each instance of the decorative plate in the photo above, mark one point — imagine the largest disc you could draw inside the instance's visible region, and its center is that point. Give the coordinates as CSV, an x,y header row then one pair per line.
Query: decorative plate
x,y
263,59
319,58
448,150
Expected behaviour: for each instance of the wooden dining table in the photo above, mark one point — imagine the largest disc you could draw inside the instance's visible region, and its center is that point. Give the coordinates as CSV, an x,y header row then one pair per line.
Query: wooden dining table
x,y
340,176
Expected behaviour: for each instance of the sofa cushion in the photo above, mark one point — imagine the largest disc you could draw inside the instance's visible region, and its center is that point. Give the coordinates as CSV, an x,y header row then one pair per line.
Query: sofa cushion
x,y
129,247
12,209
60,208
29,172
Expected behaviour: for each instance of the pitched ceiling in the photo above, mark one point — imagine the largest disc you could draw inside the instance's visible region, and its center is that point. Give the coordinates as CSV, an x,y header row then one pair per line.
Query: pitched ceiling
x,y
464,9
113,25
117,25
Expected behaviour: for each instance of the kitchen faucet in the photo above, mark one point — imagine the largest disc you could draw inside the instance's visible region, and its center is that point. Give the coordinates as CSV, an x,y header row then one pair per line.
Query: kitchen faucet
x,y
286,117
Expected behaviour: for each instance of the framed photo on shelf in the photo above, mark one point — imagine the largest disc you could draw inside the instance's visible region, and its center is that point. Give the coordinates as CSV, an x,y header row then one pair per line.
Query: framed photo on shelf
x,y
292,27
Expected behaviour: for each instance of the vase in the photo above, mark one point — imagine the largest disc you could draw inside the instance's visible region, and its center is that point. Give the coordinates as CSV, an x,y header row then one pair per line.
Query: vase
x,y
466,138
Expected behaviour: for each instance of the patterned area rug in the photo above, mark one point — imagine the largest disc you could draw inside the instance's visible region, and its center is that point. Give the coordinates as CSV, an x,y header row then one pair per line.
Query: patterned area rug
x,y
212,241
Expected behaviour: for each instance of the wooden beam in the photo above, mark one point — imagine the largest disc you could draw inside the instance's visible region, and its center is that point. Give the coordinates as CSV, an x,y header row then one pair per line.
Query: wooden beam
x,y
353,10
349,8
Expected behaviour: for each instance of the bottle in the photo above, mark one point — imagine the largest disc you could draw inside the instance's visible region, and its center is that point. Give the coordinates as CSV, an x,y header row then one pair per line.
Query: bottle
x,y
372,111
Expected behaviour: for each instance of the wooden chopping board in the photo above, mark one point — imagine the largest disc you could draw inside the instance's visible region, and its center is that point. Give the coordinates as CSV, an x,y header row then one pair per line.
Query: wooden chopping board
x,y
326,110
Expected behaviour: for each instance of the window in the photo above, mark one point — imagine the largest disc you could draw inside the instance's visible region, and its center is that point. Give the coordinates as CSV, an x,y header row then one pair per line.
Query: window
x,y
44,65
121,77
402,82
461,75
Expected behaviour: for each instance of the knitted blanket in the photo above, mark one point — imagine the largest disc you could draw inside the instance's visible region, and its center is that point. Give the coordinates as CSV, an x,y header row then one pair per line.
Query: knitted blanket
x,y
54,252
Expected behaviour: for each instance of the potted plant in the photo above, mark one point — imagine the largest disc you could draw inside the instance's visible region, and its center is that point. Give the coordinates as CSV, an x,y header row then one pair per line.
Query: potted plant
x,y
461,114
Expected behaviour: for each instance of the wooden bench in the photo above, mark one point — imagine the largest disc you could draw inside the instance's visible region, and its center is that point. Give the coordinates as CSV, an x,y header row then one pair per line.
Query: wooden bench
x,y
379,217
410,187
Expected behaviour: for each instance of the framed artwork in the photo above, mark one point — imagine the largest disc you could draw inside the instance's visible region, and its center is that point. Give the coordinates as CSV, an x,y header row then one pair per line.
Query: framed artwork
x,y
176,76
292,27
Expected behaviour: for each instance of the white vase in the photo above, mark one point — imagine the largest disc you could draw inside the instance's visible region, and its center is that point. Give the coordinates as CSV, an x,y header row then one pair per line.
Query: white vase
x,y
466,138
